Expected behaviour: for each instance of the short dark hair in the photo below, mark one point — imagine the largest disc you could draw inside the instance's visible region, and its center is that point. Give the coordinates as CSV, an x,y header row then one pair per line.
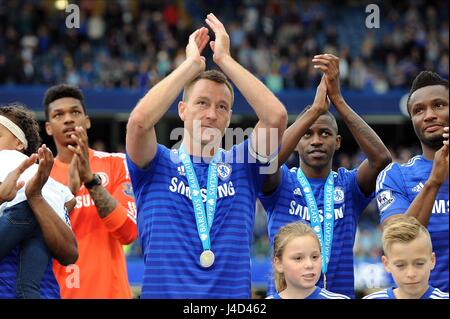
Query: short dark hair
x,y
60,91
425,78
212,75
20,115
327,113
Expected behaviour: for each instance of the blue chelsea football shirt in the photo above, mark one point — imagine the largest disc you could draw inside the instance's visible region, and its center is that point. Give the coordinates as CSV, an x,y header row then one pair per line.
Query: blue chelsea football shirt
x,y
397,187
286,204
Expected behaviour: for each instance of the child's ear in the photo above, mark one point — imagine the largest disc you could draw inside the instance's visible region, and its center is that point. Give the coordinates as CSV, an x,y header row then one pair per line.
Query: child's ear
x,y
433,260
278,265
19,146
385,263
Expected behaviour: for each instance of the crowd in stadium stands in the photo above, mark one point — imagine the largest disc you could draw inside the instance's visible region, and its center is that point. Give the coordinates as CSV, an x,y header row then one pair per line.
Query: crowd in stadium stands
x,y
134,44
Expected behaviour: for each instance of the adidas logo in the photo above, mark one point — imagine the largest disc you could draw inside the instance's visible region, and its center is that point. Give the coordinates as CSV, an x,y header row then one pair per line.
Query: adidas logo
x,y
417,188
181,170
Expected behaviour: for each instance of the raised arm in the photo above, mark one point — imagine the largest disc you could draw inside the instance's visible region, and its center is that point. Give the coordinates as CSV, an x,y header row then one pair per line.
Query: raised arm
x,y
57,235
141,143
270,111
422,205
378,156
294,133
111,207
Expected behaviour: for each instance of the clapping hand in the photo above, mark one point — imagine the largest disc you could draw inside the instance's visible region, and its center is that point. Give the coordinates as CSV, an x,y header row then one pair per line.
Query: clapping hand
x,y
221,45
80,157
10,186
321,101
34,186
329,65
197,42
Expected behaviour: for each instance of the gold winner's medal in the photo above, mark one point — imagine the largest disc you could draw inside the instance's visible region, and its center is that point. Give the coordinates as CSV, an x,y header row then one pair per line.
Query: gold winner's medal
x,y
207,258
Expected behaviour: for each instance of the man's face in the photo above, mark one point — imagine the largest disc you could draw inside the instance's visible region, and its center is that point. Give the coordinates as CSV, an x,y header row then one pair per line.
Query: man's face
x,y
206,113
316,148
429,114
64,115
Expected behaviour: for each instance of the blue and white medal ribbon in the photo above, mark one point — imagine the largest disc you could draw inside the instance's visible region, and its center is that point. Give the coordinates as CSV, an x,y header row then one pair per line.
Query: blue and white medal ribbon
x,y
325,237
204,219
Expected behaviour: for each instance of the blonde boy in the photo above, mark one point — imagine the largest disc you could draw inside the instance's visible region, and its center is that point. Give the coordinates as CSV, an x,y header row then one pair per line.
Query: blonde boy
x,y
409,257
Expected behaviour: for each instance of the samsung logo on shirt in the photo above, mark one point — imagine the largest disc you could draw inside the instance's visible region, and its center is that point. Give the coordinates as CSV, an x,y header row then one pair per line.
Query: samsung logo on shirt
x,y
440,207
84,201
178,186
302,211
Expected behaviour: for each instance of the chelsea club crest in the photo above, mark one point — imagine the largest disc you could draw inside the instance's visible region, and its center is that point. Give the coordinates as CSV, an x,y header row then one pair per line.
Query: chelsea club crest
x,y
224,171
339,195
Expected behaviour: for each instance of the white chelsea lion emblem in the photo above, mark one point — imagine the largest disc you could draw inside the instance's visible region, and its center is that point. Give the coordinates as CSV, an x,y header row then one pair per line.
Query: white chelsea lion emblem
x,y
339,196
224,171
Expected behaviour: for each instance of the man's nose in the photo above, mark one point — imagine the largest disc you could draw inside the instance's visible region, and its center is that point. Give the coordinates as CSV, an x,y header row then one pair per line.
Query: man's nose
x,y
430,114
212,112
68,118
316,140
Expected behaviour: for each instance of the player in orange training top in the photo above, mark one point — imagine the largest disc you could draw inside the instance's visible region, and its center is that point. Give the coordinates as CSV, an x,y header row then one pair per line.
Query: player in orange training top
x,y
104,218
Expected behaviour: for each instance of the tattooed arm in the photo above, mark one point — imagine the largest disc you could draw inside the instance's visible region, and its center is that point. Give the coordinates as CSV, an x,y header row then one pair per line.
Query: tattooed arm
x,y
103,200
378,156
117,209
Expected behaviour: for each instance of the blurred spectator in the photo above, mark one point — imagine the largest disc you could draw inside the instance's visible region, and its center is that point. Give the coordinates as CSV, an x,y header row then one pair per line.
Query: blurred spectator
x,y
134,43
274,81
99,145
